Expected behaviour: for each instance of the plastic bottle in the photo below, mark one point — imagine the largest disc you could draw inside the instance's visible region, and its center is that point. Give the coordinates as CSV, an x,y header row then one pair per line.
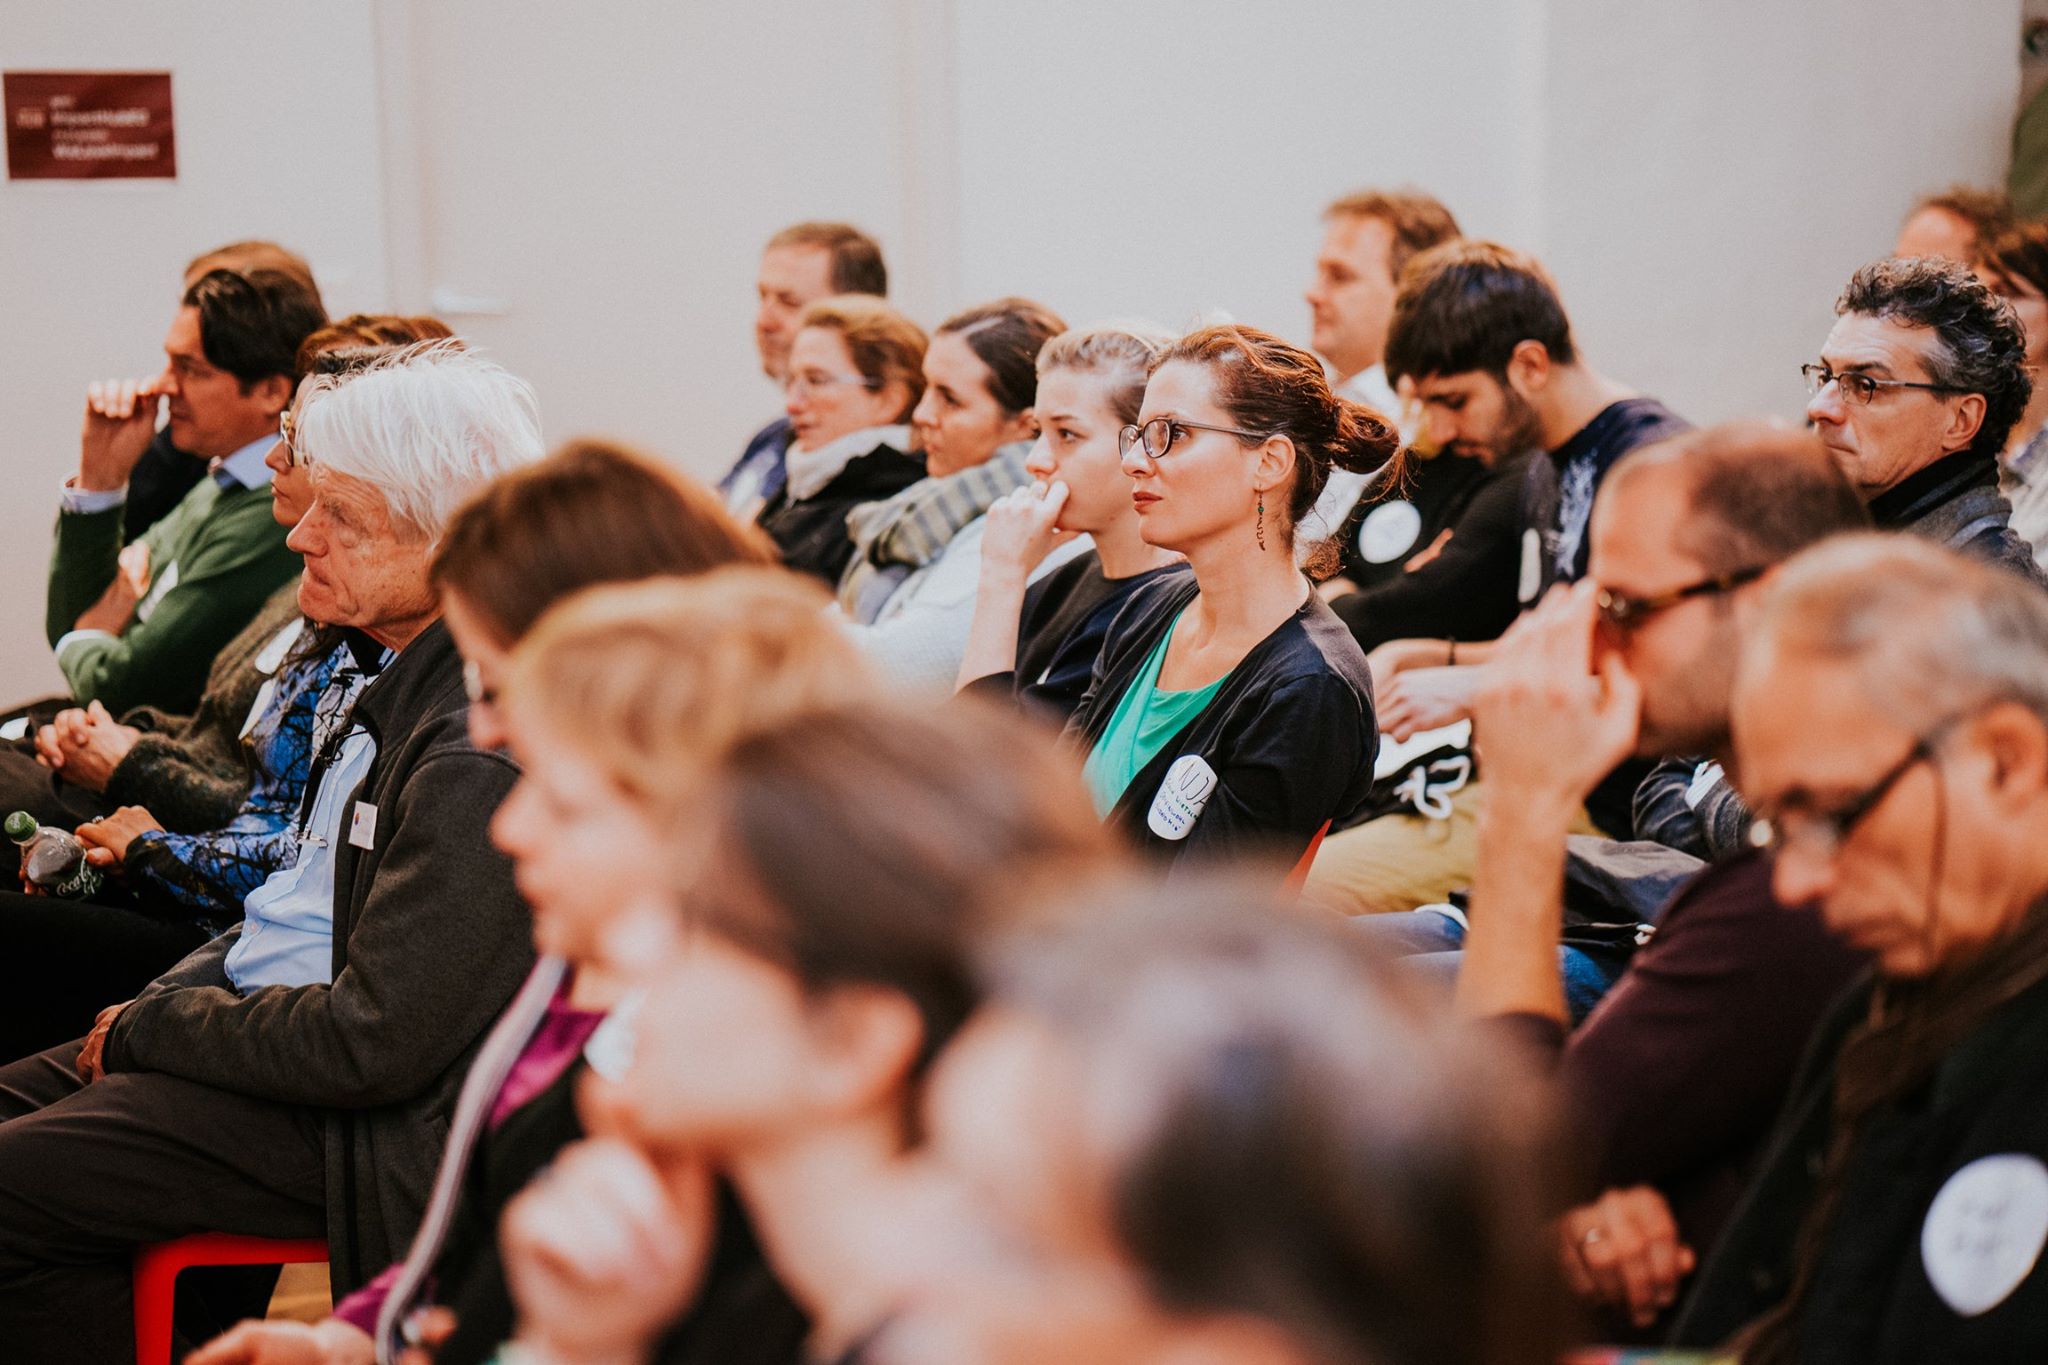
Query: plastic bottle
x,y
51,858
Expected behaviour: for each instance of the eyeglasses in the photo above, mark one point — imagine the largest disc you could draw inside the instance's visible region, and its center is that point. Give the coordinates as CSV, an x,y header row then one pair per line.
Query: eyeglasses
x,y
810,381
1627,613
1823,832
1161,434
1859,388
284,436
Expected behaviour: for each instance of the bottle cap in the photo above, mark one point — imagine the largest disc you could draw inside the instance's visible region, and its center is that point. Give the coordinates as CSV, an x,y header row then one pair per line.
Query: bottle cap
x,y
20,827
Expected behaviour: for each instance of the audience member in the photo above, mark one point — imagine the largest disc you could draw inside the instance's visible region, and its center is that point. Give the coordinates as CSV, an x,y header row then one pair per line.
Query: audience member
x,y
294,1076
801,264
1496,369
1230,711
811,961
911,585
1955,225
629,690
1678,1075
1040,640
1891,727
1918,386
194,772
855,374
1202,1129
165,474
2017,267
142,622
1368,239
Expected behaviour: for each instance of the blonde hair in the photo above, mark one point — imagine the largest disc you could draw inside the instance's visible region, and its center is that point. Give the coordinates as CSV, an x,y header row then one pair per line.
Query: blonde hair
x,y
654,681
1122,354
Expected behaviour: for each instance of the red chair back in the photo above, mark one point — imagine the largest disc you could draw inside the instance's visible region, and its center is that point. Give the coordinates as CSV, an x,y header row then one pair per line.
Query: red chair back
x,y
156,1277
1299,875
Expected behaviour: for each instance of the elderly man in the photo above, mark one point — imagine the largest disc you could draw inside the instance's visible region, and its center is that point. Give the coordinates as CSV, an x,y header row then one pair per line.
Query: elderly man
x,y
294,1076
1891,731
141,622
1917,387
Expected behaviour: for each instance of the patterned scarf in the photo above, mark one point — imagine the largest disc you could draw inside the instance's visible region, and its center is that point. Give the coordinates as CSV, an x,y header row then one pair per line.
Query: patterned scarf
x,y
899,535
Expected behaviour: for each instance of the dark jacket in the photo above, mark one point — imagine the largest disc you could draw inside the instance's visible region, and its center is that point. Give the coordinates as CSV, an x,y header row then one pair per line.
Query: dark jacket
x,y
430,941
1956,501
158,483
1067,615
1467,591
1874,1299
811,533
1290,734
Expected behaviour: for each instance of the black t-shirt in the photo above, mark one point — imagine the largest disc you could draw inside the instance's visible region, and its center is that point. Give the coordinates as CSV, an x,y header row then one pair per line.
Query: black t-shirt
x,y
1065,619
1557,494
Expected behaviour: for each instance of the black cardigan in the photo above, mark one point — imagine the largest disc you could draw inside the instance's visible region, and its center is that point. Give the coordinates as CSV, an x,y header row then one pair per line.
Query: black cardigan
x,y
1290,734
811,532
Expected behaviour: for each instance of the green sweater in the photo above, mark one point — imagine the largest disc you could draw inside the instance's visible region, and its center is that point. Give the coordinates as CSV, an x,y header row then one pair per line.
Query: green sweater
x,y
223,555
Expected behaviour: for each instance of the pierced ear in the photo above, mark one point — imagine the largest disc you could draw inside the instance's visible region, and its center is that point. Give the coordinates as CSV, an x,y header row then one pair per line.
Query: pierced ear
x,y
1276,461
865,1039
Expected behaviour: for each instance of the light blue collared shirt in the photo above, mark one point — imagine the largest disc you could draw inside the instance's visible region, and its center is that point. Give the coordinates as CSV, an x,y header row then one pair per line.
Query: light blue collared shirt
x,y
244,467
288,922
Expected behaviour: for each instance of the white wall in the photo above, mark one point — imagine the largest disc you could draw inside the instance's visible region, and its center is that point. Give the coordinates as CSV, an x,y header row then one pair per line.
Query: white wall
x,y
1713,173
275,139
1702,178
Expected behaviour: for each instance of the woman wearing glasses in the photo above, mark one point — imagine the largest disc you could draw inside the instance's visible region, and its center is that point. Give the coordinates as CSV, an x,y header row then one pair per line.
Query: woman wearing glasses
x,y
855,374
1230,709
1040,639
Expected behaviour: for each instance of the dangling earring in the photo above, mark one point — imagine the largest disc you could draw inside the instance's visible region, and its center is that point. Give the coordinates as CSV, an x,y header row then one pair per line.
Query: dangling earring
x,y
1261,527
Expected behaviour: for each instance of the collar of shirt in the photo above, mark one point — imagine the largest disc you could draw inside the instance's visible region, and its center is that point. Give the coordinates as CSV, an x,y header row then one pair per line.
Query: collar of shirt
x,y
245,467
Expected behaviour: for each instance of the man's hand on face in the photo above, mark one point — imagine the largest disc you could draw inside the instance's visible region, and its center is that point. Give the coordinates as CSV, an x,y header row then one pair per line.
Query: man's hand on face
x,y
120,422
1551,715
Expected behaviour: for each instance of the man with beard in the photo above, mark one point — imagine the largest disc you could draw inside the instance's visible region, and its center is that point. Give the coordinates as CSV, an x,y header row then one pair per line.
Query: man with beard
x,y
1481,333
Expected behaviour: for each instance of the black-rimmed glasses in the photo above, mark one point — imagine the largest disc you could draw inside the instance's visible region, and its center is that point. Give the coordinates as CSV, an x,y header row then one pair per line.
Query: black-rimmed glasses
x,y
1161,434
1624,612
1859,388
1823,832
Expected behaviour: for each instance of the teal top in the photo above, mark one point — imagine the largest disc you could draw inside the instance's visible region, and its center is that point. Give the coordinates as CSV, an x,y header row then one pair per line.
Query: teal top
x,y
1145,720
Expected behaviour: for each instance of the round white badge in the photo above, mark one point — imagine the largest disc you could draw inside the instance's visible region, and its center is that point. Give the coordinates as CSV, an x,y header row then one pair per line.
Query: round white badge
x,y
1388,532
1532,567
1985,1231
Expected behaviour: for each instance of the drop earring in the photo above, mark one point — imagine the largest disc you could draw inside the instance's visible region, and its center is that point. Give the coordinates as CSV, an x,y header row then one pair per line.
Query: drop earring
x,y
1261,527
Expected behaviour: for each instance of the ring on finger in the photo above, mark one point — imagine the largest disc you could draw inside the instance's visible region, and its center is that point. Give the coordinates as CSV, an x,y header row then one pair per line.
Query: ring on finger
x,y
1592,1235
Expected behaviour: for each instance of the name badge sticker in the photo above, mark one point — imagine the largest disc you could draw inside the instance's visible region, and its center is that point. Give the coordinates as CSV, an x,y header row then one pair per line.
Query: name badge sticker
x,y
1985,1230
362,826
1180,798
1388,532
1531,581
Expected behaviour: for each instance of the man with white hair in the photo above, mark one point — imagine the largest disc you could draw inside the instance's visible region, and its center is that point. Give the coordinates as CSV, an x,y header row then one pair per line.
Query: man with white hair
x,y
293,1077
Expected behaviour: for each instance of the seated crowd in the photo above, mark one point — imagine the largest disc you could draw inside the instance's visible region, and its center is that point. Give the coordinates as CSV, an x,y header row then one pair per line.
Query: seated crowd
x,y
1089,845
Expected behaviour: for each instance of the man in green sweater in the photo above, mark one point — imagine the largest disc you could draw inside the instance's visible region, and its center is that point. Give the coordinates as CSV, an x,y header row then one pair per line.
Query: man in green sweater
x,y
140,623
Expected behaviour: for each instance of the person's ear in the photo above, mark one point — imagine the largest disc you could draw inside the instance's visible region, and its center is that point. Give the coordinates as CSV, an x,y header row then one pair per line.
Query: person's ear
x,y
2015,743
1276,462
1023,425
1529,368
274,392
864,1042
1965,419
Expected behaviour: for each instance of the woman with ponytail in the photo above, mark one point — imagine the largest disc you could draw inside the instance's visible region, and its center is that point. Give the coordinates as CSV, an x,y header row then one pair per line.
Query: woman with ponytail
x,y
1230,710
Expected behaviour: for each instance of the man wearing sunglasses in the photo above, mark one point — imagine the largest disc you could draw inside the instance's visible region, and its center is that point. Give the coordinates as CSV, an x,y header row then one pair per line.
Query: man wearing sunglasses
x,y
1680,1070
1916,389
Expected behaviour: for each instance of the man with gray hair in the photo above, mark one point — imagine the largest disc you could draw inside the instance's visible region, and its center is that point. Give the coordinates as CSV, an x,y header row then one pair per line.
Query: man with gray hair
x,y
1915,392
1891,732
293,1076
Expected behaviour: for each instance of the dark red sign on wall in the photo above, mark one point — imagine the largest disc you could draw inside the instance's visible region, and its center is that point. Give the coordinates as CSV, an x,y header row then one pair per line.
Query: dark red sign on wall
x,y
89,125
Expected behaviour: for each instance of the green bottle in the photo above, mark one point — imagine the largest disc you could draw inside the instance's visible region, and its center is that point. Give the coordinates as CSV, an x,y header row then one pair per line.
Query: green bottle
x,y
53,859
